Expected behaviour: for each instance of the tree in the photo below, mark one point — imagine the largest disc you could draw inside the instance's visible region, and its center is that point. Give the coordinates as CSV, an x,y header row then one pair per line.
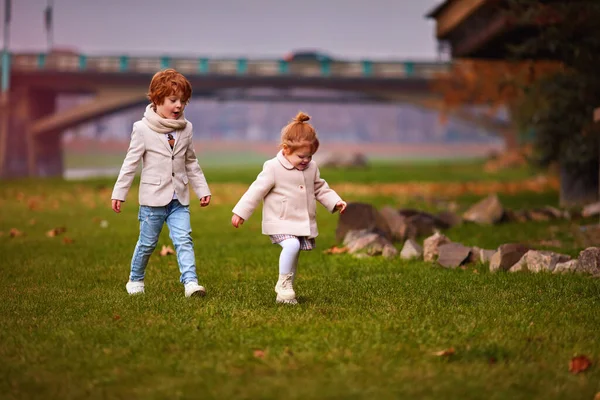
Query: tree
x,y
559,107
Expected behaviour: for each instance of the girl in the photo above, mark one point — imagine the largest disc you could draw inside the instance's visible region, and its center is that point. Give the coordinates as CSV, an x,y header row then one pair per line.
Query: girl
x,y
288,185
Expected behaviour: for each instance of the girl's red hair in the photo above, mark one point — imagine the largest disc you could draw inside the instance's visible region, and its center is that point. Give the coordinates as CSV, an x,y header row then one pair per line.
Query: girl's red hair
x,y
298,133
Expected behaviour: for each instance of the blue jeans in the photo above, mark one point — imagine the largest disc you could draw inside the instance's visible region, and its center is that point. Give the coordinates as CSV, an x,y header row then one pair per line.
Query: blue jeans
x,y
152,220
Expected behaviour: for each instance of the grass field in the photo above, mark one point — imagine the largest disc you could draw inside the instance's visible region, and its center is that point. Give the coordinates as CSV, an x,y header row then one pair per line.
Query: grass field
x,y
363,328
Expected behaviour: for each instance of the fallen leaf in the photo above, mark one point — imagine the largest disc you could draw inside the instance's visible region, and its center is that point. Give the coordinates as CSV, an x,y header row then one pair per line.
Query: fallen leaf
x,y
166,250
259,354
67,240
445,353
56,231
492,360
32,221
336,250
14,232
579,364
475,271
597,396
116,317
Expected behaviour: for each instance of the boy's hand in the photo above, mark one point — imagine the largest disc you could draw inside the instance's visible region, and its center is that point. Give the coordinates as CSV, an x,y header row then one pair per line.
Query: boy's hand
x,y
116,205
236,220
204,201
341,205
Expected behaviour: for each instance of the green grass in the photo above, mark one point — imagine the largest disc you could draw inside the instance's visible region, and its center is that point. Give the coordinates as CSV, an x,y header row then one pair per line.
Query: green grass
x,y
363,328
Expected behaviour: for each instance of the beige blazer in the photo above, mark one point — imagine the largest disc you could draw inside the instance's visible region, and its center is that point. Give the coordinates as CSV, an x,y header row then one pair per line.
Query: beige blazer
x,y
289,198
164,170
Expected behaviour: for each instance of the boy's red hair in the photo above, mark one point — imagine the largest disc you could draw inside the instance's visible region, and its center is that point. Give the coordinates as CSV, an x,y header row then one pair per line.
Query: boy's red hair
x,y
166,83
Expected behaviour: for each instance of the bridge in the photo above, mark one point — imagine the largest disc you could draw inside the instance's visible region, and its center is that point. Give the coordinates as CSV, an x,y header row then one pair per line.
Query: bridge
x,y
31,127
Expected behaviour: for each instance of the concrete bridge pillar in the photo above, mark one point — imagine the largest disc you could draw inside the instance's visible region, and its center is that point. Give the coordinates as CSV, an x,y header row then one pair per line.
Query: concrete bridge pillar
x,y
22,153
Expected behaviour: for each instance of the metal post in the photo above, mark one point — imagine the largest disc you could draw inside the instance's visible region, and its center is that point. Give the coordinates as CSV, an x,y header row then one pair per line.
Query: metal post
x,y
5,86
48,17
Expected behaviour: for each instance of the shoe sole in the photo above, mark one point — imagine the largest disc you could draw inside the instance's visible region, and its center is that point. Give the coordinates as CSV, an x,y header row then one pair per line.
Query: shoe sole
x,y
197,293
281,300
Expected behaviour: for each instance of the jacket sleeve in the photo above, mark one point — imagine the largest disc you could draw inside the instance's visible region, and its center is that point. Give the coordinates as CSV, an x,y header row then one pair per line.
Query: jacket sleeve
x,y
324,194
256,192
194,172
132,159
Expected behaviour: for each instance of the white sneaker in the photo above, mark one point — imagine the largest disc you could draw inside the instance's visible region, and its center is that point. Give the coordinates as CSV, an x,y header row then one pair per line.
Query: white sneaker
x,y
193,289
135,287
285,289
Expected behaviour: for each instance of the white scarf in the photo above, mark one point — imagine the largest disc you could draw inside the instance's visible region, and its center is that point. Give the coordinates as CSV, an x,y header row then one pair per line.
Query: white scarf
x,y
160,124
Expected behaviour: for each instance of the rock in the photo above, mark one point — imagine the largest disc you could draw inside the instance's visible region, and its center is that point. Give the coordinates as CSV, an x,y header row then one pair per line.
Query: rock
x,y
431,244
487,211
452,255
367,242
565,267
553,212
537,261
389,251
589,261
485,255
449,219
396,223
537,215
361,216
410,250
516,216
591,209
343,159
506,256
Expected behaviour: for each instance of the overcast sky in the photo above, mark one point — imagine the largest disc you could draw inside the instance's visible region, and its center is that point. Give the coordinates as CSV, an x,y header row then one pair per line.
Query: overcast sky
x,y
254,28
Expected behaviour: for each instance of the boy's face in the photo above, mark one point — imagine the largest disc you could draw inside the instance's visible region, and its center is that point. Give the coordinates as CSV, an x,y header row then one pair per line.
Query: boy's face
x,y
299,158
172,107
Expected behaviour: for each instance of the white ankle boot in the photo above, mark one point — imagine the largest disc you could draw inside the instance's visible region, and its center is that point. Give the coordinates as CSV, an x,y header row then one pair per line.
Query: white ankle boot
x,y
285,289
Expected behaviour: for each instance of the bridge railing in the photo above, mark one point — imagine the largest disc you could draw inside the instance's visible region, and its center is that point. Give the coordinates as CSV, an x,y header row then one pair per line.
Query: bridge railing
x,y
239,66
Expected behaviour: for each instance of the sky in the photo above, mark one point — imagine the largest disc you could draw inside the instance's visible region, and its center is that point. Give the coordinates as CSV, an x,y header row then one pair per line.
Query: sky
x,y
352,29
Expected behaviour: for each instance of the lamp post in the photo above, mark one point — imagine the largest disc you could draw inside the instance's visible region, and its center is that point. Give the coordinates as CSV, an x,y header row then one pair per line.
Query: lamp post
x,y
4,85
49,26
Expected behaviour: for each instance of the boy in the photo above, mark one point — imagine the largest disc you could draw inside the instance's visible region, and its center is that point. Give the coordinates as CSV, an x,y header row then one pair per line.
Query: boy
x,y
162,140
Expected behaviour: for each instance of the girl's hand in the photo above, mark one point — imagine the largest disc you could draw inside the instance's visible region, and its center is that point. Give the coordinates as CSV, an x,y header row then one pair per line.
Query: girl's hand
x,y
341,205
236,220
204,201
116,205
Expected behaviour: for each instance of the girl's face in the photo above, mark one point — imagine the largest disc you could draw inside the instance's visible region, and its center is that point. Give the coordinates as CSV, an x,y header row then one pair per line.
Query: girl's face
x,y
172,107
300,157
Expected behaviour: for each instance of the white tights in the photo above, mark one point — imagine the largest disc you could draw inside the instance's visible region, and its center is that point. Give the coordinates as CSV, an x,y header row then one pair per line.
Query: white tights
x,y
288,259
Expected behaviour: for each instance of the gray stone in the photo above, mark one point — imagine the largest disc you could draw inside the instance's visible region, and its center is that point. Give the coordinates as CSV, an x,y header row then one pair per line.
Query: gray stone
x,y
507,256
396,223
410,250
449,218
389,251
487,211
367,242
589,261
361,216
566,267
452,255
431,244
591,209
537,261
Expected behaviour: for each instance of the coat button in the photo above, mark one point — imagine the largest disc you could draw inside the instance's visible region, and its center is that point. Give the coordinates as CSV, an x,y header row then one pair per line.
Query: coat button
x,y
172,173
172,157
301,187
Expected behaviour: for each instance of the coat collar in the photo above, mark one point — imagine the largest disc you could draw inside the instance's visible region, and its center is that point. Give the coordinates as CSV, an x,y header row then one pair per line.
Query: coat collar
x,y
284,161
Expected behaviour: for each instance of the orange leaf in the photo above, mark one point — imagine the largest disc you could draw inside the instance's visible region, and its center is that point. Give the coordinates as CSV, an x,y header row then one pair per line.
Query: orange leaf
x,y
259,353
166,250
56,231
579,364
14,232
67,240
336,250
445,353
